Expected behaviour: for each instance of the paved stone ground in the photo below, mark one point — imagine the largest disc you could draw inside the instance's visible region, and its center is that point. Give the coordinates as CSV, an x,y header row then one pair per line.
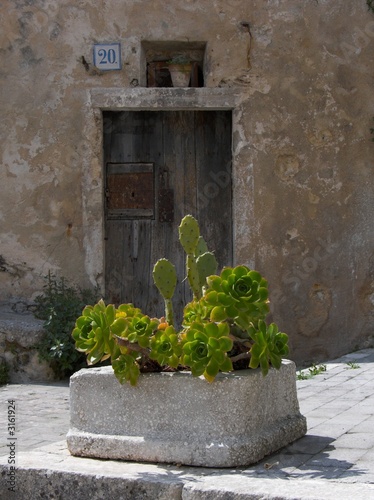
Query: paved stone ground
x,y
335,460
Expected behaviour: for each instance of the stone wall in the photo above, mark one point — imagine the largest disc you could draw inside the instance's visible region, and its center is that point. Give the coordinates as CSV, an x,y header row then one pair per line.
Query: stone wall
x,y
19,335
301,73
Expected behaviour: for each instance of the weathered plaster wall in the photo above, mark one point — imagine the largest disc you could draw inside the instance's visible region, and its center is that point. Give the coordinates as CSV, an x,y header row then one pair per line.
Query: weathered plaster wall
x,y
313,170
302,156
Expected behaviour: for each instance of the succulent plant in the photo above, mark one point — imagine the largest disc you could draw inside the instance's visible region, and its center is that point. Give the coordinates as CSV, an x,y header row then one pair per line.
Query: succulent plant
x,y
92,333
205,347
195,311
239,295
165,347
137,329
269,346
223,327
126,368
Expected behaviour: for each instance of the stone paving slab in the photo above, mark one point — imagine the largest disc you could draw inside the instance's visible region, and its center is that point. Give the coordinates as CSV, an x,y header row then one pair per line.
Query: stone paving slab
x,y
335,460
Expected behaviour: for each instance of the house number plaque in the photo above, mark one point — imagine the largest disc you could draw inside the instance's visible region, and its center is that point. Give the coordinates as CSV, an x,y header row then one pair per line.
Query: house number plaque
x,y
107,56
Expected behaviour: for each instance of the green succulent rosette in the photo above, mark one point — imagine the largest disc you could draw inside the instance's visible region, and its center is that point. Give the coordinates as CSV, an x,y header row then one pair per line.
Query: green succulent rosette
x,y
205,348
137,329
92,333
239,295
195,311
128,311
270,345
126,368
165,347
83,333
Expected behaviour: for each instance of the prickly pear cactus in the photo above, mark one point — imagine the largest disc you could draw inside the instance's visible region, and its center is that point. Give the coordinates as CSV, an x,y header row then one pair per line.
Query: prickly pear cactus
x,y
165,278
193,276
189,237
206,266
201,247
189,234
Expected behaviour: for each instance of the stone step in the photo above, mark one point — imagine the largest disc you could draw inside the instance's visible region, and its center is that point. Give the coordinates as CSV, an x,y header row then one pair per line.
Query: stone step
x,y
333,461
19,333
41,475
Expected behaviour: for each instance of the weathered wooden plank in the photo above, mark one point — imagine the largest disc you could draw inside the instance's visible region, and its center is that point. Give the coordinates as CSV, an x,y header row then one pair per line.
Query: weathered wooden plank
x,y
179,154
214,189
114,242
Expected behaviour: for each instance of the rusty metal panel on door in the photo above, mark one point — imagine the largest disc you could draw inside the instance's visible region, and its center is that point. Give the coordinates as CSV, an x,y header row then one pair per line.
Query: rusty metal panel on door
x,y
130,190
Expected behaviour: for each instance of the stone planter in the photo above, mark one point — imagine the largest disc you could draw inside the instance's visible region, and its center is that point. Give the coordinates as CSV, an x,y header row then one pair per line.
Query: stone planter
x,y
180,74
176,418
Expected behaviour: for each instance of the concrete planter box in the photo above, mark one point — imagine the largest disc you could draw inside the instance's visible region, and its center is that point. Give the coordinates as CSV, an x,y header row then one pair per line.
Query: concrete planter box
x,y
176,418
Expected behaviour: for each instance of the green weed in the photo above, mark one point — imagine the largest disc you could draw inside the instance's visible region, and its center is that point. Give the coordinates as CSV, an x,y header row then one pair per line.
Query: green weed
x,y
312,372
353,366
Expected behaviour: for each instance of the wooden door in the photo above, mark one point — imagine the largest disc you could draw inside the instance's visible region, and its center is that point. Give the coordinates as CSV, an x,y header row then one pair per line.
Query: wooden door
x,y
160,166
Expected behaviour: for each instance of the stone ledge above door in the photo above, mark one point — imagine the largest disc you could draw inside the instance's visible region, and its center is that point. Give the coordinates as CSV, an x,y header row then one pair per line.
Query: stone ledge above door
x,y
164,98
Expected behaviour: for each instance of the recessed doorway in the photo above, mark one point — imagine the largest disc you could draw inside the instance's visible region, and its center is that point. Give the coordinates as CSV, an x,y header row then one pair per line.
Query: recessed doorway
x,y
159,166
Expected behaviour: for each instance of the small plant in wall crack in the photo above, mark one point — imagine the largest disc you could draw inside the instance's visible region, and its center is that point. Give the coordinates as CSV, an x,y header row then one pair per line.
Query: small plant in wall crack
x,y
370,4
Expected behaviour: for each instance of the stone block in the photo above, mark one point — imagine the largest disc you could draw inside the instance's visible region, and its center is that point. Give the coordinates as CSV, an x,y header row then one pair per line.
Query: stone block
x,y
19,333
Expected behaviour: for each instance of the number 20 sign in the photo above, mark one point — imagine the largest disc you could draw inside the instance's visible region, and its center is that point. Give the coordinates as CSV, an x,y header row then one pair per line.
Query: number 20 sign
x,y
107,56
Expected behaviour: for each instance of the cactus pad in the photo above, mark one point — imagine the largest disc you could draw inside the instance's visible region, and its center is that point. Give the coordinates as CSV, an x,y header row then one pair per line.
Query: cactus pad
x,y
189,234
201,247
165,277
206,266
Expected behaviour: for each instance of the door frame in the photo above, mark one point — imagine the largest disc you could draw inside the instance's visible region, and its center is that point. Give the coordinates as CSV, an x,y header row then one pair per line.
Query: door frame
x,y
162,99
